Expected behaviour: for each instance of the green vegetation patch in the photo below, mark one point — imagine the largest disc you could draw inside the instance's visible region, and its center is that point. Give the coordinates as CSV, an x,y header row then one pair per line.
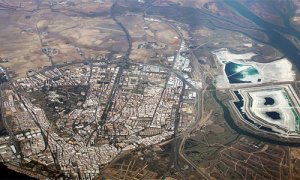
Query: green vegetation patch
x,y
56,100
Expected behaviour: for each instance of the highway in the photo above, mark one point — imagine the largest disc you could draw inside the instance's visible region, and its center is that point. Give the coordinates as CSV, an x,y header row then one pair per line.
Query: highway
x,y
180,139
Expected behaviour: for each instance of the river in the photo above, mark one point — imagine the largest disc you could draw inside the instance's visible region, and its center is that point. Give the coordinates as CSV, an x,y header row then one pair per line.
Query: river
x,y
274,33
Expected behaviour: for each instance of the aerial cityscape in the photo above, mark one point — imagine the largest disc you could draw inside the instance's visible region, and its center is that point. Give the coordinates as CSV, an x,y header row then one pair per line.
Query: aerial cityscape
x,y
150,89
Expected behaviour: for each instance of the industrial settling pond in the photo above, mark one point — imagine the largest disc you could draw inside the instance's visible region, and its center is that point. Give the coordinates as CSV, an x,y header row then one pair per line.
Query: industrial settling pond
x,y
272,109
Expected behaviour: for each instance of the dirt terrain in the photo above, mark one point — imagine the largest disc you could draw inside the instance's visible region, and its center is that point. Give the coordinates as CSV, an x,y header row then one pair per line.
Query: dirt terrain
x,y
74,31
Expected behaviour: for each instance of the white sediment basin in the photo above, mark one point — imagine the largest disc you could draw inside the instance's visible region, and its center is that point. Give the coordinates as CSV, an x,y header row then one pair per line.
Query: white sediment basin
x,y
281,106
276,71
225,55
284,103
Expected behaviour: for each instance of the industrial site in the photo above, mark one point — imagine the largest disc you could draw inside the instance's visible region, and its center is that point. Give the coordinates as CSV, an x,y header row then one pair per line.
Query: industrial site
x,y
274,109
